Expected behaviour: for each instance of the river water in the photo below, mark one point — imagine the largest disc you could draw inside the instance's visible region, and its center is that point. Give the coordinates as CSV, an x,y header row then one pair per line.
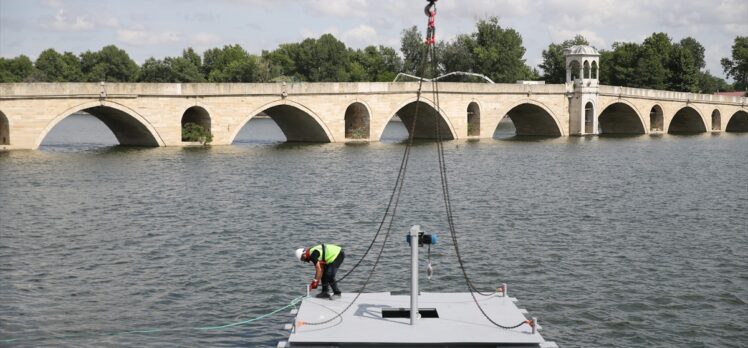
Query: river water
x,y
610,241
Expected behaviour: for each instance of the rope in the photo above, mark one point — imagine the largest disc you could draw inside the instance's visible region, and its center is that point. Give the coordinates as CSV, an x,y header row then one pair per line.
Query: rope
x,y
154,330
448,204
393,203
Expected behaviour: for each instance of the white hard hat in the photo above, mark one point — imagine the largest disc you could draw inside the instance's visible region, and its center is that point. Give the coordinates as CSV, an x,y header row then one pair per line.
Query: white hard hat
x,y
299,253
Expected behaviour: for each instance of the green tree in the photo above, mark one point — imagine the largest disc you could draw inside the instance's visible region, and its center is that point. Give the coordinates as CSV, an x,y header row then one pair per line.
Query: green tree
x,y
18,69
696,50
711,84
618,67
155,70
391,62
196,133
184,69
499,52
356,71
51,64
458,55
233,64
170,69
413,50
491,50
737,67
686,62
554,61
215,60
652,68
282,62
57,67
374,64
322,60
110,64
684,70
247,69
657,63
194,58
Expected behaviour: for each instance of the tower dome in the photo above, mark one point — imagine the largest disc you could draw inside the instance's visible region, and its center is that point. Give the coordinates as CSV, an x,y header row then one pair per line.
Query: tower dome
x,y
581,50
582,63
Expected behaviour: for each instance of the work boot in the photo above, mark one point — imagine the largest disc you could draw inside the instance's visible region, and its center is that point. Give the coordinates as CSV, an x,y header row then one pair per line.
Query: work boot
x,y
335,296
322,294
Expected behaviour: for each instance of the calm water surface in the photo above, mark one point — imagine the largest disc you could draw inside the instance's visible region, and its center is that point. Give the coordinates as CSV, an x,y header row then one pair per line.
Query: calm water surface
x,y
610,241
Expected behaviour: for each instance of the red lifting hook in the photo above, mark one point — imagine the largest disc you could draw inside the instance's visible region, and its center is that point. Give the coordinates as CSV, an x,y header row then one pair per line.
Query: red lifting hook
x,y
430,11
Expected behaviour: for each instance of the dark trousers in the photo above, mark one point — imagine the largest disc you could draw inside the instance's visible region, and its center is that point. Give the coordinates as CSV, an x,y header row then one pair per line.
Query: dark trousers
x,y
328,277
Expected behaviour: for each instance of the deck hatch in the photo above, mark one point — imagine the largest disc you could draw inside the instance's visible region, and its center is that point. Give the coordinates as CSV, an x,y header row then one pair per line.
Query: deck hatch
x,y
405,312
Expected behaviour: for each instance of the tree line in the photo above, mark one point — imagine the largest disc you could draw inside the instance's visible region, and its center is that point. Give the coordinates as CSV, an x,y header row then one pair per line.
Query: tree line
x,y
658,62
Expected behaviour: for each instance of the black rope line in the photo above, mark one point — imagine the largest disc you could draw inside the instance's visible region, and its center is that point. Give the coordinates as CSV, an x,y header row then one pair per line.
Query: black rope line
x,y
448,205
395,200
394,203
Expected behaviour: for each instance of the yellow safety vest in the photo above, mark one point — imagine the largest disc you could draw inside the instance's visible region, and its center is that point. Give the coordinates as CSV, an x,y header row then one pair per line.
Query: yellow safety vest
x,y
329,254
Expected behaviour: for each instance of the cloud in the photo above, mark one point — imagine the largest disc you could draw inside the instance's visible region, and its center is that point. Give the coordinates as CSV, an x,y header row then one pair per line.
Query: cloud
x,y
53,3
362,35
575,14
736,29
107,22
203,17
340,8
307,33
143,37
205,39
475,9
357,37
559,35
61,22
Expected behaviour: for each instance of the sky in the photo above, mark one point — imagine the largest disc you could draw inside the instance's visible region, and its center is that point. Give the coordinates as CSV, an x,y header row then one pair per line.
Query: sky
x,y
160,28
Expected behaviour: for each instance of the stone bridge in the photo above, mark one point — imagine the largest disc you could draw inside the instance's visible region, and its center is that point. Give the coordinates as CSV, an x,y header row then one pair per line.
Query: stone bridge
x,y
154,114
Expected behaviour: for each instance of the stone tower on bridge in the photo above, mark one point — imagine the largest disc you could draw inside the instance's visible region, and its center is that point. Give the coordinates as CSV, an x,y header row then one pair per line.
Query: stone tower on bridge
x,y
582,71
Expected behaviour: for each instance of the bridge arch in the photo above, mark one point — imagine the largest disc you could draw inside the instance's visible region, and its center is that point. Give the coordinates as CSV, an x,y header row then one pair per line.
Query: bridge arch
x,y
473,119
716,120
428,115
575,69
656,119
533,118
738,122
4,129
357,121
297,122
129,127
594,69
197,115
621,117
589,118
687,120
586,69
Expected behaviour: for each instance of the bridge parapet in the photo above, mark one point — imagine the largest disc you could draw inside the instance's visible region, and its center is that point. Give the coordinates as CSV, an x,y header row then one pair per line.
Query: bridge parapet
x,y
77,90
654,94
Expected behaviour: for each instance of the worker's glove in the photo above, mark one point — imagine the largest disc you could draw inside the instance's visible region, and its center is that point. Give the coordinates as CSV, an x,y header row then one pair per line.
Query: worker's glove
x,y
314,284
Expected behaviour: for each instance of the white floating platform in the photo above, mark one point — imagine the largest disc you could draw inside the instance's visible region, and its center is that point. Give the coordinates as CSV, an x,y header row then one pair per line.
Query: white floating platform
x,y
459,323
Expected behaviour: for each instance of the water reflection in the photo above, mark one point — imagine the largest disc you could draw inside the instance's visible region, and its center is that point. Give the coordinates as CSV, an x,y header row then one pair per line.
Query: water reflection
x,y
79,130
260,130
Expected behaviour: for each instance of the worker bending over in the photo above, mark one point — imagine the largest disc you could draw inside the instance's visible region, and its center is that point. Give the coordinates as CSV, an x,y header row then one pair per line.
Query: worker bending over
x,y
326,258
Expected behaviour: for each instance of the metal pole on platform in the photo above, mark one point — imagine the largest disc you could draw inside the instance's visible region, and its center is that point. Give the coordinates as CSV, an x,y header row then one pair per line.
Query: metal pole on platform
x,y
414,273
